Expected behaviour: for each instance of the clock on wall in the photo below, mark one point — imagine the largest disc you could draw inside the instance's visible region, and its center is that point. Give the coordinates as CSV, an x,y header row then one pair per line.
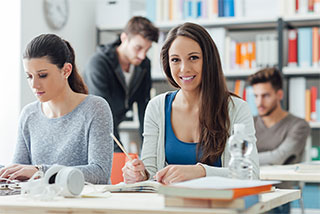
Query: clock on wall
x,y
56,13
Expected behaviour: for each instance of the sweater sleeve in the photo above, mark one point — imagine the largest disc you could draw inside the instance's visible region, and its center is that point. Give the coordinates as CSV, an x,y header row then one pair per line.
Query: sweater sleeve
x,y
100,151
151,135
22,151
292,145
239,112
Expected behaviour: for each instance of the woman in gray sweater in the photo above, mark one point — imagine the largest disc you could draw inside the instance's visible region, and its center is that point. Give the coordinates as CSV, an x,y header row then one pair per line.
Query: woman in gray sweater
x,y
64,126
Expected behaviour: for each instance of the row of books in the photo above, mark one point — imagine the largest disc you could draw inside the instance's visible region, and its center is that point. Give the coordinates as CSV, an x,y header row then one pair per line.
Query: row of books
x,y
304,47
169,10
302,7
304,101
263,52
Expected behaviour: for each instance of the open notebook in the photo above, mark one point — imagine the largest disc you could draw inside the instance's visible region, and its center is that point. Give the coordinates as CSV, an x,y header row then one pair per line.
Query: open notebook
x,y
144,186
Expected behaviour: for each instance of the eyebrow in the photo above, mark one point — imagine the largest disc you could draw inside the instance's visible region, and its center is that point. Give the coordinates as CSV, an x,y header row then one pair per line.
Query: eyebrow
x,y
188,54
39,70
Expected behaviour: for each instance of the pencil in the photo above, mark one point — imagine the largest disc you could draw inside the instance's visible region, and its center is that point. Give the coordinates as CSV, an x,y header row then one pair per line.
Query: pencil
x,y
124,151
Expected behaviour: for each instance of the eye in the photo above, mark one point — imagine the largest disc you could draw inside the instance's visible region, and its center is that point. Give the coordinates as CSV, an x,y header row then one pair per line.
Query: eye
x,y
43,75
194,57
175,60
29,76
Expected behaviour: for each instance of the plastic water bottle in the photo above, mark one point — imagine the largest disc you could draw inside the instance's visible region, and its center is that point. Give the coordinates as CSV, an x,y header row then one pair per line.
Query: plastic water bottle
x,y
240,165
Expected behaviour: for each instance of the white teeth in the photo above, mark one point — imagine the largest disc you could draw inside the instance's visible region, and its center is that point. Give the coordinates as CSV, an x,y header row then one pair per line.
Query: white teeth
x,y
187,78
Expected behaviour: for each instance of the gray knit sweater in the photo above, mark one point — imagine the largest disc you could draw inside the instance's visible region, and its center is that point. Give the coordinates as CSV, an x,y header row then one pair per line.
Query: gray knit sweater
x,y
80,138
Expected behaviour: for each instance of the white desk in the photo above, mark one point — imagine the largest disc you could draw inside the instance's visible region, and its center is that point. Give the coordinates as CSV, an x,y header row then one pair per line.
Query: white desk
x,y
288,173
131,203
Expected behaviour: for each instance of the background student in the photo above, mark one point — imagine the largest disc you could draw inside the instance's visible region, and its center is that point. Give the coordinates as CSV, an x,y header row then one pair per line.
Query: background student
x,y
186,131
120,72
65,125
281,136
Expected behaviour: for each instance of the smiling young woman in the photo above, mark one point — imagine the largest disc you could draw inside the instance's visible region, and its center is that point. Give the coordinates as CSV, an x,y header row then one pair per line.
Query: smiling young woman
x,y
185,131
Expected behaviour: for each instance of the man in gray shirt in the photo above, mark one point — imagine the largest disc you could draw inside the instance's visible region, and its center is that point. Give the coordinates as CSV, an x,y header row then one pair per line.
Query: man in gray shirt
x,y
281,136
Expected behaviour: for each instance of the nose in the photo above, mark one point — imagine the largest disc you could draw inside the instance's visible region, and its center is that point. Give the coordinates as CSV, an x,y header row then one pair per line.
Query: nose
x,y
258,100
142,55
34,83
184,66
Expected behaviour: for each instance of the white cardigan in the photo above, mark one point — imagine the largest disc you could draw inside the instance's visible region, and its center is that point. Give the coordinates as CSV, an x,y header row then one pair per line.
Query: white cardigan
x,y
153,150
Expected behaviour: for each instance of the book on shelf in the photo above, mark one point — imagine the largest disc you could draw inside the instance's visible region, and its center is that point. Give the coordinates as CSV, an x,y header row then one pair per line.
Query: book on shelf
x,y
292,48
214,187
239,203
305,47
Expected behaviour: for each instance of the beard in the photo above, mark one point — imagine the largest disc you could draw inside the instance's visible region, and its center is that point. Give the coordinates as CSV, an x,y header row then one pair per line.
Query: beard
x,y
272,109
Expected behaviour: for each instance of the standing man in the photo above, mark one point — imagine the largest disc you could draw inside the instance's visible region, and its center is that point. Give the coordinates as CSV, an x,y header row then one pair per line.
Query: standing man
x,y
281,136
120,72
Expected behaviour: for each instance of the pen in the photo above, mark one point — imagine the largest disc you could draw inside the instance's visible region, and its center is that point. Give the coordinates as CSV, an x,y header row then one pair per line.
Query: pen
x,y
124,151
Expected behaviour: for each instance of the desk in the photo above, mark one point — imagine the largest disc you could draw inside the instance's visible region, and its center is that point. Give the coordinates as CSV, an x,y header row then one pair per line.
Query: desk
x,y
288,173
131,203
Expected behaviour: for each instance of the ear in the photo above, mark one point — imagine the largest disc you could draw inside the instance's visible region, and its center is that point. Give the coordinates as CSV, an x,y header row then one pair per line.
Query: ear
x,y
123,37
280,94
67,69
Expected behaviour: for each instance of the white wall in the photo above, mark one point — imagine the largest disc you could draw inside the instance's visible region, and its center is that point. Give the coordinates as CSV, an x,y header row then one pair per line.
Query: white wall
x,y
79,31
10,76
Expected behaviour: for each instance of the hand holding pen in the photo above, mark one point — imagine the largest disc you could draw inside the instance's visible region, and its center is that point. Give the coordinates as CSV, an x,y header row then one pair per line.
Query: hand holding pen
x,y
134,169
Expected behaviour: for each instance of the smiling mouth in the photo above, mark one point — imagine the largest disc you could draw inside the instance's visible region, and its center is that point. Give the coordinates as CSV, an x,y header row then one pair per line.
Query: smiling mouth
x,y
188,78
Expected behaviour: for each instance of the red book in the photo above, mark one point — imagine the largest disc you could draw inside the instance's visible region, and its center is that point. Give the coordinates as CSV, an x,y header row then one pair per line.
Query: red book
x,y
297,6
313,95
292,48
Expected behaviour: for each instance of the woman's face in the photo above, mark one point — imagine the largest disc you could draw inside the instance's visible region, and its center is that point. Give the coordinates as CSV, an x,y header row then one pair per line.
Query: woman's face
x,y
185,62
46,80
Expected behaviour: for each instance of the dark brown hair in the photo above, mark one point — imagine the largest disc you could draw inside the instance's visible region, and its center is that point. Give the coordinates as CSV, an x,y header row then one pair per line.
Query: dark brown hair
x,y
142,26
271,75
214,95
59,52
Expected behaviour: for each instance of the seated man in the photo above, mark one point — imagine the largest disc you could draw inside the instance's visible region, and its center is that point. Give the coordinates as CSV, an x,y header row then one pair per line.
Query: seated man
x,y
281,136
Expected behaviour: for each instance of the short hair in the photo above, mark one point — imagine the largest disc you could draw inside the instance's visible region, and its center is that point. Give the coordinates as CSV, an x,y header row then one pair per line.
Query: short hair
x,y
271,75
142,26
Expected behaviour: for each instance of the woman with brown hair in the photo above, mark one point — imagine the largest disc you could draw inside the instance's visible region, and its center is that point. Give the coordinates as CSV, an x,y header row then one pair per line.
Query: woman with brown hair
x,y
186,131
64,126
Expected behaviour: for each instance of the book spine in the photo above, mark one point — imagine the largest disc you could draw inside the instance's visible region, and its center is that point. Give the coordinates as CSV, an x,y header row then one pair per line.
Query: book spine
x,y
305,47
313,97
315,46
292,48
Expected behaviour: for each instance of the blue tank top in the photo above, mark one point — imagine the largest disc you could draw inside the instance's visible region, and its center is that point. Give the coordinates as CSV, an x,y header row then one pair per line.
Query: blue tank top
x,y
177,151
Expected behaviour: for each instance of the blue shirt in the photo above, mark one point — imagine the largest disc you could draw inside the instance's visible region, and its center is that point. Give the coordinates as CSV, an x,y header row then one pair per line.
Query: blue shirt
x,y
177,151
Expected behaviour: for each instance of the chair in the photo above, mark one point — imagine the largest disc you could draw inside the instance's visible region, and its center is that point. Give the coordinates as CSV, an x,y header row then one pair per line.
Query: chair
x,y
119,160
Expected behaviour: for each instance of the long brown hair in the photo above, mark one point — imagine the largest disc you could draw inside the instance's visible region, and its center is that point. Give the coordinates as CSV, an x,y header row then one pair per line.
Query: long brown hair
x,y
214,95
58,51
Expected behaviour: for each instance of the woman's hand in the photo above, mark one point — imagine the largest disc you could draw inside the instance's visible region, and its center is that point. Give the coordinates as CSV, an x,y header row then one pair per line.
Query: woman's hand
x,y
176,173
134,171
18,172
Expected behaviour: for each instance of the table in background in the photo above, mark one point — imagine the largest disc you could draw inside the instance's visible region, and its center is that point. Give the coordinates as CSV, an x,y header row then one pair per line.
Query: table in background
x,y
132,203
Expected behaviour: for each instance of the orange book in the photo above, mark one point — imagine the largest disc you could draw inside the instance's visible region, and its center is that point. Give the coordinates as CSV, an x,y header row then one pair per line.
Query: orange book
x,y
237,88
238,55
315,46
308,106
